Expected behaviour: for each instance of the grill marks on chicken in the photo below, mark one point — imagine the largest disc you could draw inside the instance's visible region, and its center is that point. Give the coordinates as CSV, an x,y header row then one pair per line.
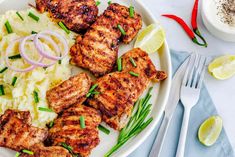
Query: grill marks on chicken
x,y
40,150
77,15
16,131
69,92
67,129
97,50
120,90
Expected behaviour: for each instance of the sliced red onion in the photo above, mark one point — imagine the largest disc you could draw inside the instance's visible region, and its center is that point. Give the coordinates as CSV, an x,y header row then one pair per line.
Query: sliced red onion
x,y
39,45
30,61
9,48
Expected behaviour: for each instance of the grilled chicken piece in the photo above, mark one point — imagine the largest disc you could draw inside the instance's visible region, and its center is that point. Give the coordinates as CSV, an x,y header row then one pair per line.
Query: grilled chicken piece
x,y
39,150
16,131
77,15
67,129
97,50
120,90
69,92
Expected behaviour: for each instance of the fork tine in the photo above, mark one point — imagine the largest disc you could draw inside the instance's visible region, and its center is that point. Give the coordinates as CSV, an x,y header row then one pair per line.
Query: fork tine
x,y
202,74
190,79
198,70
190,64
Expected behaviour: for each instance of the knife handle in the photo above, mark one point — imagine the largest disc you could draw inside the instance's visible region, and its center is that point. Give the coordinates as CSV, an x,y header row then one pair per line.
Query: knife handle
x,y
158,143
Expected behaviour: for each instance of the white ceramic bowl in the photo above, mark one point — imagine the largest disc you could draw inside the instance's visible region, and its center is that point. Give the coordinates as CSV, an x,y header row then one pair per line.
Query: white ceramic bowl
x,y
213,23
160,93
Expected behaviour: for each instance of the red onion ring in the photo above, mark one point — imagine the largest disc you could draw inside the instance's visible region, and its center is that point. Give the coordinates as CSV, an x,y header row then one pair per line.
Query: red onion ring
x,y
30,61
7,59
39,45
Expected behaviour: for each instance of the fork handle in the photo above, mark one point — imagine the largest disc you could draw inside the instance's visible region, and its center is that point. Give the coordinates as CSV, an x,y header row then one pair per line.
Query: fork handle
x,y
183,132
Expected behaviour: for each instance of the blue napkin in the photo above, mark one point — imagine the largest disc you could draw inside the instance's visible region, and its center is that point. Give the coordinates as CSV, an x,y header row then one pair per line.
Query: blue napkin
x,y
204,109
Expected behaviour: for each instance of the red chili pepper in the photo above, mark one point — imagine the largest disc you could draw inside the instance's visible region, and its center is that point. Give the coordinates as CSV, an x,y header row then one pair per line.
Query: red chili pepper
x,y
185,27
194,21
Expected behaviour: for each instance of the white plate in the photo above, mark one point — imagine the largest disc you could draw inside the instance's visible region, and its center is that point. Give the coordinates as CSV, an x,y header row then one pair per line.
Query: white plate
x,y
160,93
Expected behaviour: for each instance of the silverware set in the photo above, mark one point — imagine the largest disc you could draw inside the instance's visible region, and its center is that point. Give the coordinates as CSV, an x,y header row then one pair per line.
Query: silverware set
x,y
186,87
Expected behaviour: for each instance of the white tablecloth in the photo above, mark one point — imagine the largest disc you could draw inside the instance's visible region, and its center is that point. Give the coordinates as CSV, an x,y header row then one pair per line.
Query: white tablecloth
x,y
222,92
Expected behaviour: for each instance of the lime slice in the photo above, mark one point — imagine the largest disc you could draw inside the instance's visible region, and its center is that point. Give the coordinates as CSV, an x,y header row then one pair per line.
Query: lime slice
x,y
151,38
209,130
223,67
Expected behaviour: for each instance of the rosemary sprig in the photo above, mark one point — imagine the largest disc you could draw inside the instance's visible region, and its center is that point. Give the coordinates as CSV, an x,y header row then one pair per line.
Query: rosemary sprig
x,y
136,124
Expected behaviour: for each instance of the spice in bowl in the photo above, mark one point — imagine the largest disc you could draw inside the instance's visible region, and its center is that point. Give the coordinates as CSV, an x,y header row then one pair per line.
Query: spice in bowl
x,y
226,11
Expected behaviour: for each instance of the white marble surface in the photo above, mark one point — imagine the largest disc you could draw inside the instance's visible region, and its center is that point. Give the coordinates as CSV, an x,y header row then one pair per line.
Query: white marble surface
x,y
222,92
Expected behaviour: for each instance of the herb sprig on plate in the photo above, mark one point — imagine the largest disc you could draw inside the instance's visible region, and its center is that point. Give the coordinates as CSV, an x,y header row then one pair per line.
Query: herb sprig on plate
x,y
136,124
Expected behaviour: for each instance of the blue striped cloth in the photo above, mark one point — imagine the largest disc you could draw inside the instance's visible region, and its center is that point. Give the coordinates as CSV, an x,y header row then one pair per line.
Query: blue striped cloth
x,y
204,109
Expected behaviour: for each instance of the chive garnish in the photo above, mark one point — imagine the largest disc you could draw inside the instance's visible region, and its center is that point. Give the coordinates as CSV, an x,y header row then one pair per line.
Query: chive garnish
x,y
109,2
93,88
59,61
133,62
133,74
14,81
94,92
18,56
51,124
27,152
61,24
69,148
121,29
131,11
136,123
35,95
82,122
119,64
4,69
97,3
103,129
36,18
88,95
45,109
18,14
8,27
2,90
17,154
33,32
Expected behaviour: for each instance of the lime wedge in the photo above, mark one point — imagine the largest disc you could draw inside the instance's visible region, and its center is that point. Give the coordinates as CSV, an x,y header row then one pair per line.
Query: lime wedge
x,y
151,38
223,67
209,130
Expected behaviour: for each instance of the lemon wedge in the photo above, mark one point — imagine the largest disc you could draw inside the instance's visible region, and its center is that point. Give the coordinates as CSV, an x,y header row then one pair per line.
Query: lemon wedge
x,y
209,130
151,38
223,67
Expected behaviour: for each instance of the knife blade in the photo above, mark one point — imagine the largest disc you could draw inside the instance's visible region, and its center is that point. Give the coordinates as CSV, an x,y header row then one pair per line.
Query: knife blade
x,y
173,100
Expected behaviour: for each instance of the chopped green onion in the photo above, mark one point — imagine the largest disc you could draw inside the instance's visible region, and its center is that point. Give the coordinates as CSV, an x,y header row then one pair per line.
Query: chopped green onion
x,y
59,61
18,56
45,109
27,152
61,24
97,3
51,124
109,2
36,18
82,122
17,154
14,81
133,62
69,148
133,74
93,88
121,29
33,32
103,129
88,95
18,14
4,69
131,10
2,90
94,92
119,64
35,95
8,27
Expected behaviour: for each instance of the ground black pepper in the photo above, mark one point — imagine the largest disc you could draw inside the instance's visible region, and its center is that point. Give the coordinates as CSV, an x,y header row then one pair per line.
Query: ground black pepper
x,y
226,11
